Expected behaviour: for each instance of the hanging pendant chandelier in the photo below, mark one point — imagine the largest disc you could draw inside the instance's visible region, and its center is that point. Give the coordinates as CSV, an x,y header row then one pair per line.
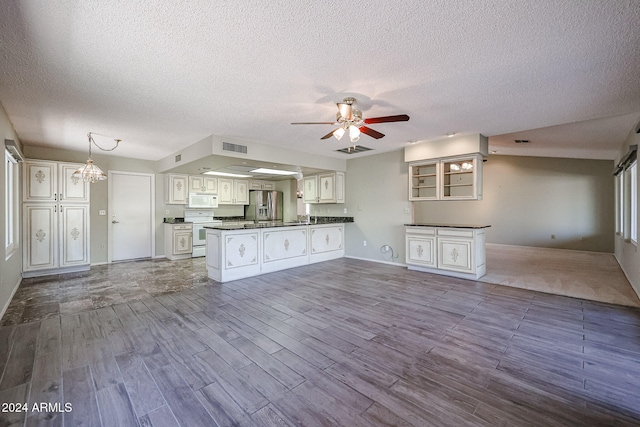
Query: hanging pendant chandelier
x,y
90,172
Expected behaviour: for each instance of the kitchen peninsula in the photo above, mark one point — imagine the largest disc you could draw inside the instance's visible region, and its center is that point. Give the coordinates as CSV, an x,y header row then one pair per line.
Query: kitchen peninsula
x,y
447,249
239,251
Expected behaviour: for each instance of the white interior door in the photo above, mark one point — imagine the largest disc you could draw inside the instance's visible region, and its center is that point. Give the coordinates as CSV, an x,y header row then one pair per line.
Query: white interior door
x,y
131,215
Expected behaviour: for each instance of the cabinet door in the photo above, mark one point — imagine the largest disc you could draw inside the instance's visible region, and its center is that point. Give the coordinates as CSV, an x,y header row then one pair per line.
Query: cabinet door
x,y
460,177
255,185
182,242
284,244
327,188
241,190
74,235
455,254
196,184
72,188
310,189
326,239
178,189
241,250
40,181
210,185
340,191
40,237
225,191
421,250
424,181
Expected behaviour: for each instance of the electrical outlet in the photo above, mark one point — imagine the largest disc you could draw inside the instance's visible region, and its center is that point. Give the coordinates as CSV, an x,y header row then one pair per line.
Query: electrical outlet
x,y
166,212
364,243
345,210
406,211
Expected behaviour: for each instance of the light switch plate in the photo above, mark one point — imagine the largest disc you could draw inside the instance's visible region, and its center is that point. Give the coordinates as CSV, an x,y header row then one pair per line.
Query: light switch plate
x,y
102,212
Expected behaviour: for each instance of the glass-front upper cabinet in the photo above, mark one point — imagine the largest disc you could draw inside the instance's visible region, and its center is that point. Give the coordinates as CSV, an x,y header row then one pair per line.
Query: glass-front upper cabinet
x,y
452,178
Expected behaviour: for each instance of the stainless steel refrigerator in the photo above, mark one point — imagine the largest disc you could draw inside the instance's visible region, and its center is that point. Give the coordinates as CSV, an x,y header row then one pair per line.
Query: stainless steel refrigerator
x,y
264,206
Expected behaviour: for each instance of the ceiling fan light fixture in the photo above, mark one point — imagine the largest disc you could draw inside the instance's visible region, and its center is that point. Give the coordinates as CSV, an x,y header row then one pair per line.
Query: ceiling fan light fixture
x,y
338,133
354,133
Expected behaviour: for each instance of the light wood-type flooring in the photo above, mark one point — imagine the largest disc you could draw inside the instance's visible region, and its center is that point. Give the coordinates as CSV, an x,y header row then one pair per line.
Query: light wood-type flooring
x,y
339,343
594,276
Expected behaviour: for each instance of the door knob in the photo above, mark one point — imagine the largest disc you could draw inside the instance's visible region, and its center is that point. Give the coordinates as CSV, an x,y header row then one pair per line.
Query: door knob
x,y
114,222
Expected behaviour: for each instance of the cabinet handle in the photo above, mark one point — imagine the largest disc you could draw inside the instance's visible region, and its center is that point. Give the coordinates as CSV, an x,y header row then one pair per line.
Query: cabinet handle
x,y
55,208
60,196
55,196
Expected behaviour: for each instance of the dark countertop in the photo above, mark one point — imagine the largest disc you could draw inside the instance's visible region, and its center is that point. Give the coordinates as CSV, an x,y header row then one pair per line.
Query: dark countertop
x,y
320,221
448,225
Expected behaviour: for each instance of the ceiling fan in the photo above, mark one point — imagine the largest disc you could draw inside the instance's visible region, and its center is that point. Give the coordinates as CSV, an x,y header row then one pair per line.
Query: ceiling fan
x,y
350,119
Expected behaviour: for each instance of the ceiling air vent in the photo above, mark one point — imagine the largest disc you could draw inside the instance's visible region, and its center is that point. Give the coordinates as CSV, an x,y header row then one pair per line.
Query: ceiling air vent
x,y
522,141
178,157
354,149
236,148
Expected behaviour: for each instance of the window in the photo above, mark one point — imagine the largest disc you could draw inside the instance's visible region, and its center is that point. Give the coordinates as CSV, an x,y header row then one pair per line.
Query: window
x,y
619,183
633,201
11,204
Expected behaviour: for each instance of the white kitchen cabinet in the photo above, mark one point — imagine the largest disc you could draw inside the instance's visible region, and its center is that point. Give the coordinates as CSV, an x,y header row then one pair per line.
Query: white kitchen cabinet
x,y
447,250
310,189
284,247
451,178
232,254
239,253
421,247
203,184
177,191
233,191
255,184
327,242
178,241
55,218
56,238
324,188
45,181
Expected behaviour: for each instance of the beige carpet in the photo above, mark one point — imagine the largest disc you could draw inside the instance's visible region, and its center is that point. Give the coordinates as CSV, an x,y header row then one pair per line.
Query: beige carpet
x,y
590,275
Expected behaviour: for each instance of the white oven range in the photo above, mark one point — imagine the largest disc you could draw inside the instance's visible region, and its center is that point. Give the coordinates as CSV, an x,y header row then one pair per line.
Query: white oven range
x,y
200,218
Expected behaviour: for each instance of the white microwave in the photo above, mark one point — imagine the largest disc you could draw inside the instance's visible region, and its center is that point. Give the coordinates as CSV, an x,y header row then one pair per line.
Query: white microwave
x,y
203,201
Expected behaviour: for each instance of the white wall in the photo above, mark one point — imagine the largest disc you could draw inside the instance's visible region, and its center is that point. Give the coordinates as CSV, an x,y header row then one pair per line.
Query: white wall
x,y
11,267
626,252
526,200
377,197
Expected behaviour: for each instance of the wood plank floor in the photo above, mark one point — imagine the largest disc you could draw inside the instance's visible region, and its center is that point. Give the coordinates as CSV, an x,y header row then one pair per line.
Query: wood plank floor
x,y
340,343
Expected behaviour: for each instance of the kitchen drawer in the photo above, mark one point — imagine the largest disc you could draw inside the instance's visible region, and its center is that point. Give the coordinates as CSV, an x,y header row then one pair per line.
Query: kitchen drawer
x,y
455,233
182,227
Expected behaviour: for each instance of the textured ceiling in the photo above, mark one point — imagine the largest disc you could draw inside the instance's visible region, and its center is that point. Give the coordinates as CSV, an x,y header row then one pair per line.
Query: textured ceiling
x,y
162,75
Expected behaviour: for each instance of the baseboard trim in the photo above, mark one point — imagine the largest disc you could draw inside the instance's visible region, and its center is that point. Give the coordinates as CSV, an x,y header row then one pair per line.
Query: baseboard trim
x,y
397,264
6,305
615,256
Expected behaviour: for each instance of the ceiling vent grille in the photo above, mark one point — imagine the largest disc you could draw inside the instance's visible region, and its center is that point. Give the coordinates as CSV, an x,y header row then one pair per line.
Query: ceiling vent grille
x,y
236,148
178,157
522,141
354,149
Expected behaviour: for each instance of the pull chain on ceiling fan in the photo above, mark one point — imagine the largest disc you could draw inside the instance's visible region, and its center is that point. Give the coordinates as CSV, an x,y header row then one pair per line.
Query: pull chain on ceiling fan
x,y
350,119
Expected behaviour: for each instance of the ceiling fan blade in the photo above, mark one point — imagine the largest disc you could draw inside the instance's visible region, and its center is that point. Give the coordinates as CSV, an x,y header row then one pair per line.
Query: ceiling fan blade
x,y
329,135
387,119
372,133
314,123
345,110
